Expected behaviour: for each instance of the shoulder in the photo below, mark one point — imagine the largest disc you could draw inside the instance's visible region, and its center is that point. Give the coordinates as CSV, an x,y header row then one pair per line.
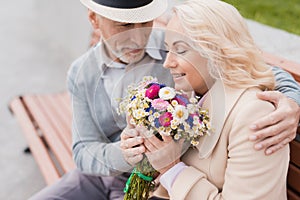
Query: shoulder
x,y
82,70
249,108
81,62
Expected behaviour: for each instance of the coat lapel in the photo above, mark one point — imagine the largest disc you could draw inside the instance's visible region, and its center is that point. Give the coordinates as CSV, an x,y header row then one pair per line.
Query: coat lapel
x,y
219,101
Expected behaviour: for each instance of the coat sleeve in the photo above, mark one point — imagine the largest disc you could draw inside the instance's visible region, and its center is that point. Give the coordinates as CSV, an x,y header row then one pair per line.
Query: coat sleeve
x,y
286,84
93,152
249,174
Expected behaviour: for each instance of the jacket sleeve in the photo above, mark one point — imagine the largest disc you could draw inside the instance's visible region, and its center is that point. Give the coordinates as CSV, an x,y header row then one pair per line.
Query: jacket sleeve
x,y
249,174
286,84
92,151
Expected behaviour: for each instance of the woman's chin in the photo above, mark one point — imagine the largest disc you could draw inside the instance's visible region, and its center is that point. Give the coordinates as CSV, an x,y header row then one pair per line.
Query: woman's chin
x,y
181,87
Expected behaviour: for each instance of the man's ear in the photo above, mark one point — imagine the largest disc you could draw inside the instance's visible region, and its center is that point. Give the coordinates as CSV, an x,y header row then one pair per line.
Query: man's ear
x,y
93,19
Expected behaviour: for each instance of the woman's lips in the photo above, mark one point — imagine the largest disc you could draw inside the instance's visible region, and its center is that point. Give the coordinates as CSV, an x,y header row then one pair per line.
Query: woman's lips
x,y
178,75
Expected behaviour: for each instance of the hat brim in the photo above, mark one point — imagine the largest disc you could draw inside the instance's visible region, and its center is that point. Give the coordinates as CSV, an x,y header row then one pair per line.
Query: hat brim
x,y
132,15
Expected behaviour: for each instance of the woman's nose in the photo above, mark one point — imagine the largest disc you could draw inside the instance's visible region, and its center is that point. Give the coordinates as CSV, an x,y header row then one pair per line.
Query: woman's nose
x,y
170,61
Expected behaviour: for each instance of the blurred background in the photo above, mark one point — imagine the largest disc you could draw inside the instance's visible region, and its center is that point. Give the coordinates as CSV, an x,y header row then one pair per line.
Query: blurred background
x,y
277,13
38,41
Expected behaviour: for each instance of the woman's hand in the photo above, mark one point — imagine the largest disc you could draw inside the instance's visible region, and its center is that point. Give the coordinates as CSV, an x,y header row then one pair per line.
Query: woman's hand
x,y
279,127
132,145
164,154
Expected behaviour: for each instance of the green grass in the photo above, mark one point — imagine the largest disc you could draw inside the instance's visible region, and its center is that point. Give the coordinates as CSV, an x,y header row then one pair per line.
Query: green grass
x,y
282,14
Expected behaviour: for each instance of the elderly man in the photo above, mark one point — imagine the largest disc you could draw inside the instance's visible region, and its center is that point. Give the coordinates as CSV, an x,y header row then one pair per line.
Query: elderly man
x,y
128,50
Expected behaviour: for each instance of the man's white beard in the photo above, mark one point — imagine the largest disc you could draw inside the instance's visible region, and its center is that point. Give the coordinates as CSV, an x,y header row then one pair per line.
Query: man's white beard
x,y
123,57
132,59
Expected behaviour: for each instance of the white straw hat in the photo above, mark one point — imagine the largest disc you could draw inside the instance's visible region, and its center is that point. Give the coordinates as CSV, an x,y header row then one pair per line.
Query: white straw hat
x,y
128,11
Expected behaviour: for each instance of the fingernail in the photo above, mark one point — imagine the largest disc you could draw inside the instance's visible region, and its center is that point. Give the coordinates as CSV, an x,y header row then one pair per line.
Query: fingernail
x,y
268,152
258,146
252,137
253,126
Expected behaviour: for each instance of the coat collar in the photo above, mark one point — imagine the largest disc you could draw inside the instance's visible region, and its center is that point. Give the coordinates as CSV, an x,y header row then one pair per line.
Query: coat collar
x,y
220,100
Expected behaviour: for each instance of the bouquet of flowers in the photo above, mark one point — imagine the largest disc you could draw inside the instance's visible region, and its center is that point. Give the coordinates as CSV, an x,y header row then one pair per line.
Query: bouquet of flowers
x,y
162,110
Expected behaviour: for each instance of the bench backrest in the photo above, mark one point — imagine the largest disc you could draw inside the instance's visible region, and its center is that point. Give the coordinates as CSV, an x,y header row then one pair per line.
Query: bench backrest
x,y
293,179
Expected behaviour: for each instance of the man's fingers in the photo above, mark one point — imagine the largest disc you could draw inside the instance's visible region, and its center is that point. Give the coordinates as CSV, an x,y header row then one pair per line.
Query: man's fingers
x,y
270,141
271,96
267,131
129,133
268,120
131,142
276,147
134,151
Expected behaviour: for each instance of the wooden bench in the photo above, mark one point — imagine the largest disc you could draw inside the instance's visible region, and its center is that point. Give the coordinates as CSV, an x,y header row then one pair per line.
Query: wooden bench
x,y
46,123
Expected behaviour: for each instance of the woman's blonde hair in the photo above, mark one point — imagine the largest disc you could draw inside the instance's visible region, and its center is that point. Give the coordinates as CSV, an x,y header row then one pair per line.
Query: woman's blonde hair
x,y
219,31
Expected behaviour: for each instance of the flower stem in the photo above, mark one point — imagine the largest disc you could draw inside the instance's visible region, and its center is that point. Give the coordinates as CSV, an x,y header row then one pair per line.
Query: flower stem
x,y
140,183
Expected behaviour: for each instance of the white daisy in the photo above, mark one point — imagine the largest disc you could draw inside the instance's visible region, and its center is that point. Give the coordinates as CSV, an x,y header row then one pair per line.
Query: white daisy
x,y
167,93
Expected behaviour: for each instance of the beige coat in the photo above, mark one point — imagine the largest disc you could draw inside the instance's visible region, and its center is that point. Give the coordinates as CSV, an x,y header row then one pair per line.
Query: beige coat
x,y
225,165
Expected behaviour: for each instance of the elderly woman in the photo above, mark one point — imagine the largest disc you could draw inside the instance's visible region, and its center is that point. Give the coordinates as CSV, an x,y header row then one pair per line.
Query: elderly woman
x,y
212,54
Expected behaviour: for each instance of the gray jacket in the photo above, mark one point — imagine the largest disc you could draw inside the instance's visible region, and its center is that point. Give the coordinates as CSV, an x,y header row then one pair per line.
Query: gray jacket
x,y
96,125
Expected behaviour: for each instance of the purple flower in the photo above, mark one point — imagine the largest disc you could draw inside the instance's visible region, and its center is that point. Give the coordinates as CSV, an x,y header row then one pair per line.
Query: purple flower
x,y
165,119
152,91
181,100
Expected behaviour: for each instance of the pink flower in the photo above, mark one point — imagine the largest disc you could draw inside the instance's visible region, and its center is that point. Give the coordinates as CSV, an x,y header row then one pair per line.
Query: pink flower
x,y
159,104
152,91
165,119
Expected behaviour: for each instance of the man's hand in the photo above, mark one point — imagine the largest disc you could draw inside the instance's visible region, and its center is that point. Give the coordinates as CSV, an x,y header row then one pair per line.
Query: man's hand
x,y
131,145
277,129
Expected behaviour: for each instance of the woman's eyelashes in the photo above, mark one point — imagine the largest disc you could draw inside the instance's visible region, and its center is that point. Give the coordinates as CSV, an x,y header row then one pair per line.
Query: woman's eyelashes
x,y
177,48
176,51
181,51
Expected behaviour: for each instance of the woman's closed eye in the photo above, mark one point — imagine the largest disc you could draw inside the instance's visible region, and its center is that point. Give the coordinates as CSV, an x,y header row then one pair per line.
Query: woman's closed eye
x,y
180,50
177,48
181,47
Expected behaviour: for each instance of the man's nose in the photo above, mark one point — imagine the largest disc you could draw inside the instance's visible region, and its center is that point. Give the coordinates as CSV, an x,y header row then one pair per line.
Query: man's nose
x,y
139,36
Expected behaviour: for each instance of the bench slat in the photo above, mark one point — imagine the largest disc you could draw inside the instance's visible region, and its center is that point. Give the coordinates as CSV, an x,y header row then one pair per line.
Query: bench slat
x,y
292,195
295,153
59,118
293,178
36,145
292,67
62,154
